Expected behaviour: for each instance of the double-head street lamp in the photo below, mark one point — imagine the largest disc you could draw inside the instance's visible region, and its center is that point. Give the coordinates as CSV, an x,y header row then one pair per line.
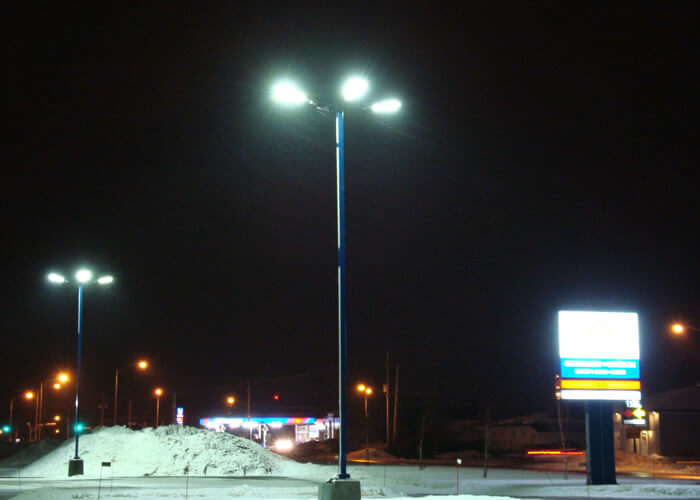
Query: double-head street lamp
x,y
82,278
57,383
353,90
366,392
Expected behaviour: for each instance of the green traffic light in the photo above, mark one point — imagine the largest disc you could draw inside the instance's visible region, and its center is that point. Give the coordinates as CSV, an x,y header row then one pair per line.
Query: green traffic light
x,y
79,427
5,428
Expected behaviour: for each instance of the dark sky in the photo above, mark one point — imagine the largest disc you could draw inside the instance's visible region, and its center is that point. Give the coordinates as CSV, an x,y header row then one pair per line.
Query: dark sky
x,y
543,160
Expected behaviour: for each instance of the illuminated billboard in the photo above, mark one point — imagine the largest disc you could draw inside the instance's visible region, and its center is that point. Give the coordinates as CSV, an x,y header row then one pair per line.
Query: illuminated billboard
x,y
599,355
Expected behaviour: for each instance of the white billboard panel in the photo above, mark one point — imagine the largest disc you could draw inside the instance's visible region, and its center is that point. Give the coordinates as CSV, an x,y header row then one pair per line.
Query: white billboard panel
x,y
605,395
598,335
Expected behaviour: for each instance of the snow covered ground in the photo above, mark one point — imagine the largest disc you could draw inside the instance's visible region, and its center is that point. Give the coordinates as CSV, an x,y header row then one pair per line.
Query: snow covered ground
x,y
185,462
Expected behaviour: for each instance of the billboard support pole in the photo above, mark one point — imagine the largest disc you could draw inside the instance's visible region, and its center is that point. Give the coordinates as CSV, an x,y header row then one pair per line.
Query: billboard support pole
x,y
600,443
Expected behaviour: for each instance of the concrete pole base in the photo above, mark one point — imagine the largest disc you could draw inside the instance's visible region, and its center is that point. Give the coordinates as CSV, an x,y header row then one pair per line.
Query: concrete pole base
x,y
75,467
339,489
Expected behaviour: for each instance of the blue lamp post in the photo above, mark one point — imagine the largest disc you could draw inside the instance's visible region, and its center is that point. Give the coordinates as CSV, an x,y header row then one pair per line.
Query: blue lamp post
x,y
82,278
353,90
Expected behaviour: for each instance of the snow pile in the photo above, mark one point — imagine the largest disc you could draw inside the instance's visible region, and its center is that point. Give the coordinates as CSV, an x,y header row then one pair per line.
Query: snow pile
x,y
165,451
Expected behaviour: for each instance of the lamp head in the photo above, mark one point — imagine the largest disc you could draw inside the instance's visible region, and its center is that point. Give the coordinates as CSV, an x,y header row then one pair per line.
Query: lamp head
x,y
355,88
285,92
83,276
56,278
386,106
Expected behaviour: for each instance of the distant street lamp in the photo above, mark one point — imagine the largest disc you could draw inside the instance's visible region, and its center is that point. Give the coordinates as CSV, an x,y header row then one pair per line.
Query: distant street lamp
x,y
83,277
680,328
353,90
158,392
141,365
28,395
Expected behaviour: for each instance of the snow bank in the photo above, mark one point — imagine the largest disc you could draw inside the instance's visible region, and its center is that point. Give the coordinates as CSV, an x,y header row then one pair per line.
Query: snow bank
x,y
165,451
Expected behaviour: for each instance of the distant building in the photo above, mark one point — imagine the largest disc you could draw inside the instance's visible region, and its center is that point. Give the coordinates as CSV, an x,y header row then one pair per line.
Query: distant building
x,y
672,427
534,431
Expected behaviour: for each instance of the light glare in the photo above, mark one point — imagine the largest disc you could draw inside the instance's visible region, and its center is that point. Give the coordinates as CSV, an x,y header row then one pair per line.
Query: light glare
x,y
284,444
286,92
83,276
387,106
354,88
105,280
677,328
56,278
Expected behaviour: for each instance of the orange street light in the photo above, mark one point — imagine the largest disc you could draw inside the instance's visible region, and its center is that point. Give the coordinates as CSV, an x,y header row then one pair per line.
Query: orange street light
x,y
29,395
57,386
366,391
142,364
230,400
57,418
63,377
680,328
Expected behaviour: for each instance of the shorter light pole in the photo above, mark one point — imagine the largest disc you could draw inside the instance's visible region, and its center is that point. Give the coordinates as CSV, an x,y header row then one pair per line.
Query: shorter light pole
x,y
158,392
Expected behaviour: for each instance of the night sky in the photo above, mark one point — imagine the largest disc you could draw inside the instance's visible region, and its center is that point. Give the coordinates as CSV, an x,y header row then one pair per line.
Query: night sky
x,y
543,160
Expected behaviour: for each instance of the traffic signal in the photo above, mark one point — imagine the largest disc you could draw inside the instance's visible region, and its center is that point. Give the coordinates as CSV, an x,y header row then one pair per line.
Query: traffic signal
x,y
5,429
79,428
276,397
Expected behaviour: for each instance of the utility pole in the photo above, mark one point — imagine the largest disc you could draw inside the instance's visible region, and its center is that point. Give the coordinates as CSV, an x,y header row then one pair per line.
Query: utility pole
x,y
102,407
396,401
116,392
563,441
250,429
386,398
486,441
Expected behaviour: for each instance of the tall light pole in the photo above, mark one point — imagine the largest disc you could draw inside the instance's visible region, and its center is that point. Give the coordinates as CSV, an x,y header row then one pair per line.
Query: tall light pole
x,y
141,365
83,277
353,90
